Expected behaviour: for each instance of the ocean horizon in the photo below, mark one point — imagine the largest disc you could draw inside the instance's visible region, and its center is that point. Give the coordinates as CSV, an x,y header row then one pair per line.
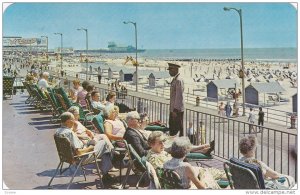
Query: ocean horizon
x,y
288,54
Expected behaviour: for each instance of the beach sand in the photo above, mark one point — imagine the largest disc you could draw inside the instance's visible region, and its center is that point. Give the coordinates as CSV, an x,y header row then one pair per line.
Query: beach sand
x,y
195,70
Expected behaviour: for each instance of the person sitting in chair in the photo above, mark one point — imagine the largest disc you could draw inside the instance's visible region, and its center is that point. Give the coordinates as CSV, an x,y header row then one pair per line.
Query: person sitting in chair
x,y
96,105
43,82
247,147
133,136
157,156
101,149
114,127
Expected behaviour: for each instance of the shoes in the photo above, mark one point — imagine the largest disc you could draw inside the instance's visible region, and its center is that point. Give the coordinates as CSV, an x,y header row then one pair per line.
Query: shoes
x,y
114,170
212,148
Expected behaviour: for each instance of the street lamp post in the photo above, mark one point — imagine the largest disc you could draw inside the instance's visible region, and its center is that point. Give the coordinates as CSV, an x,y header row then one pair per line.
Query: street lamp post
x,y
136,67
47,50
239,11
61,48
87,47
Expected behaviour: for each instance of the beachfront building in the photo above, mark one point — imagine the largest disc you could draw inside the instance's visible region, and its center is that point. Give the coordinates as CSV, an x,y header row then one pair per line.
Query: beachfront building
x,y
155,77
253,91
217,89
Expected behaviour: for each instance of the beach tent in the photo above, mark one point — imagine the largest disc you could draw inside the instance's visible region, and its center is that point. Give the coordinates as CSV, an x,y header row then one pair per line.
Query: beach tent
x,y
214,86
156,76
295,102
141,74
254,89
113,73
126,74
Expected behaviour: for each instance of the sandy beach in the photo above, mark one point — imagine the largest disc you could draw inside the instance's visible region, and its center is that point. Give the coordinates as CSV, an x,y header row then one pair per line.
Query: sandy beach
x,y
197,73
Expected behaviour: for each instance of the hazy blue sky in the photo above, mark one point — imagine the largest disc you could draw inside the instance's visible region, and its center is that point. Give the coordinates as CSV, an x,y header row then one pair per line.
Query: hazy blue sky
x,y
160,25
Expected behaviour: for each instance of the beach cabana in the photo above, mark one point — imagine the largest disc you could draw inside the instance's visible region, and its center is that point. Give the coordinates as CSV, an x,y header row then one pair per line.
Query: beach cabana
x,y
155,76
253,91
126,75
295,102
214,86
141,75
113,73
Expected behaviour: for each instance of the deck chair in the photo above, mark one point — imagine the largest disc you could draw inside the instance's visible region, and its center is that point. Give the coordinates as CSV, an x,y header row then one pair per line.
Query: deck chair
x,y
56,110
64,95
240,177
35,97
256,170
168,179
42,101
154,182
8,86
98,123
30,98
66,155
135,161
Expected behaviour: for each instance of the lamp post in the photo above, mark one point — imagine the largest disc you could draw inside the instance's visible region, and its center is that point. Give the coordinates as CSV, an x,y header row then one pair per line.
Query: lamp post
x,y
47,48
61,48
87,46
136,67
242,75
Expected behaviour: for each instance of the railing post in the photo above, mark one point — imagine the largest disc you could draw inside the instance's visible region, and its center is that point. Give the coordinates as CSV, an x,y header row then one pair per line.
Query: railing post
x,y
267,114
160,111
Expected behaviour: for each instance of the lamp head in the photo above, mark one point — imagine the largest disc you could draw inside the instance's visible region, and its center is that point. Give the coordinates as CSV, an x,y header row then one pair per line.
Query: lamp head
x,y
125,22
226,8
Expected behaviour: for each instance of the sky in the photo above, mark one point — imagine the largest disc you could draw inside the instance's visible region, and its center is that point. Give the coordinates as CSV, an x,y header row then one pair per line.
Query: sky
x,y
159,25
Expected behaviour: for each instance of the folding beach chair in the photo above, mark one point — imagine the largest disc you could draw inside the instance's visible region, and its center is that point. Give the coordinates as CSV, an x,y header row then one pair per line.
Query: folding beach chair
x,y
56,110
136,165
168,179
66,155
240,177
30,93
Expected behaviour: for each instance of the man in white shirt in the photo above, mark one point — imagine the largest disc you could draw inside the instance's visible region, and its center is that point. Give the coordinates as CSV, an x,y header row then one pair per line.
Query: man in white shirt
x,y
96,105
251,120
43,82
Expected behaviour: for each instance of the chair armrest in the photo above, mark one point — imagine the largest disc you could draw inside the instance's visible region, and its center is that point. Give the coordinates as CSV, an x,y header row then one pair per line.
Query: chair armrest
x,y
85,154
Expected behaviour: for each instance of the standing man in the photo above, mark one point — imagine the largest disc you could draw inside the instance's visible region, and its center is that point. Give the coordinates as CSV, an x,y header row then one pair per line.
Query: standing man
x,y
251,120
261,116
176,101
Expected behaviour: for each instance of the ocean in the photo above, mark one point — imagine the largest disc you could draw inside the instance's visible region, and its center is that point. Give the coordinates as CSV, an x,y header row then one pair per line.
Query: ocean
x,y
264,54
283,55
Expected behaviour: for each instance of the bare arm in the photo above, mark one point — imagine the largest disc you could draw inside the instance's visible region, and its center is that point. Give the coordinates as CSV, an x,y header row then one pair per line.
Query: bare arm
x,y
84,150
90,133
108,132
192,176
272,174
